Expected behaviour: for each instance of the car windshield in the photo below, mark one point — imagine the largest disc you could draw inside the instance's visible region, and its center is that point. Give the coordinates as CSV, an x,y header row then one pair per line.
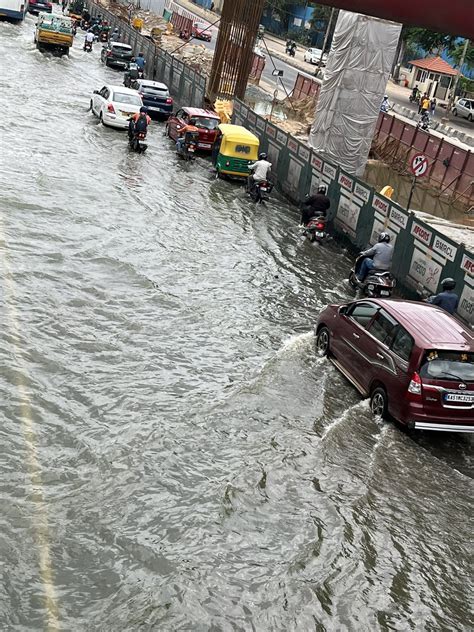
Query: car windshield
x,y
207,122
130,99
448,365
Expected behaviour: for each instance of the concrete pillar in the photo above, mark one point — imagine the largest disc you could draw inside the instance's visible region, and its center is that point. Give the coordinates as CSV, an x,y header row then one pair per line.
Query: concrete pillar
x,y
355,79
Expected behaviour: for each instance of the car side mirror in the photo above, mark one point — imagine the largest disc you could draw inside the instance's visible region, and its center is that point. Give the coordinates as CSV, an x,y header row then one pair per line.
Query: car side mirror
x,y
343,309
96,92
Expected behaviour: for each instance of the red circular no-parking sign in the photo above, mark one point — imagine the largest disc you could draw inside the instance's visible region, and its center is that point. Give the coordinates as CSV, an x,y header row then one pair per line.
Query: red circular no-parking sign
x,y
419,165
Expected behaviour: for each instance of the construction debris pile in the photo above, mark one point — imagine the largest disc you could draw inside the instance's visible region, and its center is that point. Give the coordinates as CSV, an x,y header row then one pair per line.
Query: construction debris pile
x,y
196,55
299,116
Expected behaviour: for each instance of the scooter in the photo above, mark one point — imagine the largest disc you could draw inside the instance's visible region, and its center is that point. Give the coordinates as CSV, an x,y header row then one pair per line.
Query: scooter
x,y
377,284
87,47
260,191
315,229
414,99
188,149
103,36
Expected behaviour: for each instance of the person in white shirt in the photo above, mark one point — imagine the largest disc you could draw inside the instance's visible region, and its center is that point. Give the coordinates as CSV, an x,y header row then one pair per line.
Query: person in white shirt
x,y
260,171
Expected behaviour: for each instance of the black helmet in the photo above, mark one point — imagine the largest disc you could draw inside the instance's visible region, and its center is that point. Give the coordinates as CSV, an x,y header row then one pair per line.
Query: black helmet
x,y
262,156
140,54
322,189
144,109
448,284
384,237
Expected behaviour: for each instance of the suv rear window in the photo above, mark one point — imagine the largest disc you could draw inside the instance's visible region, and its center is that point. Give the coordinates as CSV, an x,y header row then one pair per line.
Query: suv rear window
x,y
448,365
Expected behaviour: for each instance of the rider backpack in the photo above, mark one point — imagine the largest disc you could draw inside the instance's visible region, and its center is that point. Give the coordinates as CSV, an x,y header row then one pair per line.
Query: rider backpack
x,y
141,124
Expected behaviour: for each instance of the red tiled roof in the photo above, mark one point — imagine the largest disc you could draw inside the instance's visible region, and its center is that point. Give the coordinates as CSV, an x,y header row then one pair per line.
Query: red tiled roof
x,y
435,64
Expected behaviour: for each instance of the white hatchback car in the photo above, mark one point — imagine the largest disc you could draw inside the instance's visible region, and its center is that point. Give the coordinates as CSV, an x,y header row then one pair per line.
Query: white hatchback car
x,y
114,105
313,55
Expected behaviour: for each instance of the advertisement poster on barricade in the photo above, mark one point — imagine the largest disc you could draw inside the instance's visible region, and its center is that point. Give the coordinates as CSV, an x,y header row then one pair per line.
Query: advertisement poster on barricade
x,y
295,170
466,299
431,253
322,173
353,195
388,217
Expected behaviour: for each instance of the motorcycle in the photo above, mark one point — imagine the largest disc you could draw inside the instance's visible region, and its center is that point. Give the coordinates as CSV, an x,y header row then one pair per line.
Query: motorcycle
x,y
136,139
188,149
414,99
377,284
87,47
104,36
424,122
260,191
128,82
315,229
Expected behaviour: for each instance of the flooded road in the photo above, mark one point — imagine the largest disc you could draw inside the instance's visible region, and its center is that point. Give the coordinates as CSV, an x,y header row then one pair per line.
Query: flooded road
x,y
173,455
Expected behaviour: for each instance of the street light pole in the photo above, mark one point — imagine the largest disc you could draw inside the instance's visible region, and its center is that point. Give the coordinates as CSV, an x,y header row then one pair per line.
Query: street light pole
x,y
326,36
452,95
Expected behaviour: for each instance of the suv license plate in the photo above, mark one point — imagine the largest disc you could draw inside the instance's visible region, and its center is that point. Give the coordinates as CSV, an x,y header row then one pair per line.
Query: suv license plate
x,y
459,397
384,293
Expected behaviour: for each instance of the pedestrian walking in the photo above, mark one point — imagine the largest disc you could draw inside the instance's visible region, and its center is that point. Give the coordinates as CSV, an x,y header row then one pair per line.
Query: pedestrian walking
x,y
64,5
212,6
424,103
432,106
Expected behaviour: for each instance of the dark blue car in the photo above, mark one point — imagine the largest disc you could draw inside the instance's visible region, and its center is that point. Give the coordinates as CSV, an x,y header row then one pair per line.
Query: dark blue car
x,y
156,97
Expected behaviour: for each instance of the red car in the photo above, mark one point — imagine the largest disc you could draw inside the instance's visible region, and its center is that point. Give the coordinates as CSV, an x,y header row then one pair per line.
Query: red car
x,y
414,360
206,121
202,31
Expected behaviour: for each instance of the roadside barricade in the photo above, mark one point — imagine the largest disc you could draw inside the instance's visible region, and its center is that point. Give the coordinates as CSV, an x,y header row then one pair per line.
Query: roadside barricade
x,y
422,255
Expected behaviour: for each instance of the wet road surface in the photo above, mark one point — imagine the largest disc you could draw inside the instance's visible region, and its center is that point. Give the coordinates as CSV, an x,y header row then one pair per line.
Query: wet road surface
x,y
173,455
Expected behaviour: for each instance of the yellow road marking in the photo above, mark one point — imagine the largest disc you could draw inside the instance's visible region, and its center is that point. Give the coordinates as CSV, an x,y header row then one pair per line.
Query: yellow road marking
x,y
40,519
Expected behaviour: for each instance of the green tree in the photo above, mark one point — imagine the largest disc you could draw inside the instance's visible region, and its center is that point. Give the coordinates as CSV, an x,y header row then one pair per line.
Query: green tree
x,y
457,53
429,41
281,8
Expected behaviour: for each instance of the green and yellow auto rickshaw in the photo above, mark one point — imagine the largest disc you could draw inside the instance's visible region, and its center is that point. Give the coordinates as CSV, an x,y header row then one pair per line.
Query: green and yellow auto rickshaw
x,y
234,149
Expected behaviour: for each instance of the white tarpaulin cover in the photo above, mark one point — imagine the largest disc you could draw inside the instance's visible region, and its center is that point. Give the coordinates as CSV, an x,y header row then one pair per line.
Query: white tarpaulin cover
x,y
355,80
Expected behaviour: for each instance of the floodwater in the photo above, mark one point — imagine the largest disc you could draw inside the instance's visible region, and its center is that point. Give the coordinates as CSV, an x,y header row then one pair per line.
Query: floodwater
x,y
173,456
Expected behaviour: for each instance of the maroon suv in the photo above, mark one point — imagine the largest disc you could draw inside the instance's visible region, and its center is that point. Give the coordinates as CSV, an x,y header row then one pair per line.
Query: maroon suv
x,y
414,360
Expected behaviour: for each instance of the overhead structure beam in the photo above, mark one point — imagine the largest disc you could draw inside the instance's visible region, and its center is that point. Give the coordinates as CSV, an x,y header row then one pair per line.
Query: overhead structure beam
x,y
234,52
455,17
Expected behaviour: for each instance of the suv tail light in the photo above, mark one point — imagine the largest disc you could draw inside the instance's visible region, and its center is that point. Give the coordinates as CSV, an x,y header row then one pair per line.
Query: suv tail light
x,y
169,101
108,53
320,226
110,108
415,385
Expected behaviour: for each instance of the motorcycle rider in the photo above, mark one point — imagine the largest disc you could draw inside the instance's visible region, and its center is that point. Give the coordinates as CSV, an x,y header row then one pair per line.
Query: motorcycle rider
x,y
261,170
315,205
378,257
89,39
131,75
190,127
385,105
115,35
138,123
447,299
140,61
